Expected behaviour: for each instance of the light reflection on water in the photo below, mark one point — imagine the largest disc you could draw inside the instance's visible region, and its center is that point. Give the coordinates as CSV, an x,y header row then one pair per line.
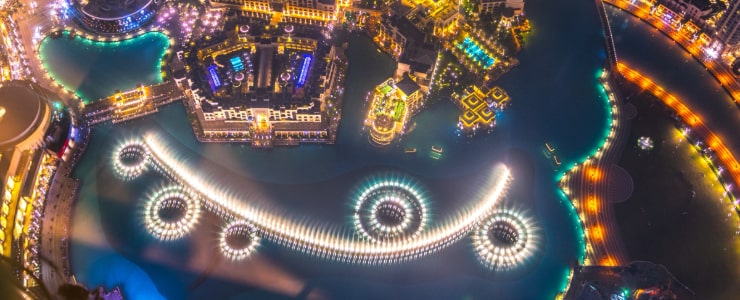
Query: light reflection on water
x,y
561,107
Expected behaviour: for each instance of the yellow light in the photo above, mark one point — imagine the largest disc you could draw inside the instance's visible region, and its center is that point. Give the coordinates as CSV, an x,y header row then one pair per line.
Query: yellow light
x,y
594,174
592,204
609,262
597,233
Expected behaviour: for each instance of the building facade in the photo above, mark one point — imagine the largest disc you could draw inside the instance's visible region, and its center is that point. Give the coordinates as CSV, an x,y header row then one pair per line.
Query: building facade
x,y
272,91
728,28
33,140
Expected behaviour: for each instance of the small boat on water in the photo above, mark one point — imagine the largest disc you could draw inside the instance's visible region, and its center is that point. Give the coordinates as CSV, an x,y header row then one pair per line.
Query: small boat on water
x,y
549,147
437,149
557,160
410,151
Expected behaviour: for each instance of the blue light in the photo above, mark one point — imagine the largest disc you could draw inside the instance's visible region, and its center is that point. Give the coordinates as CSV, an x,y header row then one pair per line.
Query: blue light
x,y
236,64
304,69
215,81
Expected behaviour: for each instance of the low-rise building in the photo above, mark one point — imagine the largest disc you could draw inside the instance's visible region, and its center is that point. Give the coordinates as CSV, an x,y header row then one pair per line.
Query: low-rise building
x,y
267,90
391,105
479,106
114,16
33,139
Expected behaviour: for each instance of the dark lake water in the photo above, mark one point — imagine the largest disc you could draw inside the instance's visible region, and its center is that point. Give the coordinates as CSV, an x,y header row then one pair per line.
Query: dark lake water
x,y
555,98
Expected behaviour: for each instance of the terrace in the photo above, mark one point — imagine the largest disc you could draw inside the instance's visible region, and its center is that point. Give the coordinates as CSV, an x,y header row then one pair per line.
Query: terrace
x,y
475,52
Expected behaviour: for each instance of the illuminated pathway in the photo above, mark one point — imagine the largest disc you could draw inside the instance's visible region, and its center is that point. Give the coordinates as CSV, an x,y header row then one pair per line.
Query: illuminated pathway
x,y
395,224
586,184
729,170
687,35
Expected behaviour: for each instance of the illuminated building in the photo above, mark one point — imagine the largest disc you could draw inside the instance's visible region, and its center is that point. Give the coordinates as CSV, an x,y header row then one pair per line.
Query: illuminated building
x,y
114,16
479,107
124,106
419,63
266,91
696,11
446,18
32,140
396,34
487,6
476,53
517,5
728,28
313,12
391,103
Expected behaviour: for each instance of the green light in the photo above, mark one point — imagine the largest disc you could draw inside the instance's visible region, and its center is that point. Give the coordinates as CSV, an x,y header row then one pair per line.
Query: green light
x,y
105,44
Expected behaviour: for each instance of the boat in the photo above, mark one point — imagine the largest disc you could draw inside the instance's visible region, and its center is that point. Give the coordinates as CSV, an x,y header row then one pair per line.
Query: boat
x,y
410,151
437,149
557,160
550,147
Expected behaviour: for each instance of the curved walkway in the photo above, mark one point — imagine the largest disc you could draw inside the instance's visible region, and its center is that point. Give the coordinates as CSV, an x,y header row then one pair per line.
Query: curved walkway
x,y
587,185
689,41
716,151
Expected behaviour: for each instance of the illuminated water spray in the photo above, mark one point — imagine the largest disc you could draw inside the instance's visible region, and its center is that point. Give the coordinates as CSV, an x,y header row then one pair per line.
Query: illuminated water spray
x,y
507,240
238,240
390,214
130,160
171,213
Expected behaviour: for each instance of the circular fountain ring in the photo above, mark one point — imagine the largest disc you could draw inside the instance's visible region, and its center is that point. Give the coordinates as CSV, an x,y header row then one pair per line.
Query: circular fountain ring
x,y
505,241
390,211
130,160
171,213
238,240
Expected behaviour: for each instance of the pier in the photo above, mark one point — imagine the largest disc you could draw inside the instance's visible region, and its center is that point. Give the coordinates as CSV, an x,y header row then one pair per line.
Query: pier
x,y
124,106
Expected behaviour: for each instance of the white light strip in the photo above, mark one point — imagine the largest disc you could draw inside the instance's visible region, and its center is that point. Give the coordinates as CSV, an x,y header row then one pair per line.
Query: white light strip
x,y
181,198
239,227
501,256
319,240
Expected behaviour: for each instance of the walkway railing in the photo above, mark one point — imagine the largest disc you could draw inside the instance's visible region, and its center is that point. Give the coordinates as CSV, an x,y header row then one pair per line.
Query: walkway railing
x,y
719,70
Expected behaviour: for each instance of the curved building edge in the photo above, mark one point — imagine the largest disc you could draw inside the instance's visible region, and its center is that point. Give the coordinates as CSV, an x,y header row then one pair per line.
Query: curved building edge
x,y
35,190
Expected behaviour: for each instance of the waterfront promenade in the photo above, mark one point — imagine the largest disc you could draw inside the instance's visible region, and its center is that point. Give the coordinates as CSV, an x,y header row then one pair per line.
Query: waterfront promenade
x,y
689,40
715,150
57,219
590,186
121,110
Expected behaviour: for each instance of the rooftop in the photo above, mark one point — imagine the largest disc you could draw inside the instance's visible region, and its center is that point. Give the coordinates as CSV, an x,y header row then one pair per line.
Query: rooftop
x,y
21,112
407,85
111,9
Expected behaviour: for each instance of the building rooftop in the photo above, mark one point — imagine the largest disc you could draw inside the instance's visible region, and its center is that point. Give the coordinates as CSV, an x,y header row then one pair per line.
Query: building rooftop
x,y
22,111
412,34
399,9
407,85
111,9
